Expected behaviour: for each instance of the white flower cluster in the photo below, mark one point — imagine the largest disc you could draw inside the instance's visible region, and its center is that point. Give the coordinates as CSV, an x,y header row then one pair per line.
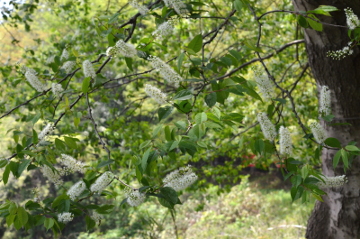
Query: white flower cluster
x,y
68,66
178,5
351,19
50,59
76,190
64,55
325,101
267,127
53,177
88,69
142,9
102,182
337,181
45,132
180,179
164,29
65,217
266,86
72,164
125,49
318,132
31,77
56,89
134,197
97,217
165,71
156,94
285,141
341,54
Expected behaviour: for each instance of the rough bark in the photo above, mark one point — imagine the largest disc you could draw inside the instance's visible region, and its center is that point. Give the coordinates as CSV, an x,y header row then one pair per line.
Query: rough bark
x,y
339,216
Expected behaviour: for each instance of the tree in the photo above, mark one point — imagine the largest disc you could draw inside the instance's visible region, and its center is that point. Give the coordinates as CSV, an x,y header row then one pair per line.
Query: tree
x,y
102,62
336,218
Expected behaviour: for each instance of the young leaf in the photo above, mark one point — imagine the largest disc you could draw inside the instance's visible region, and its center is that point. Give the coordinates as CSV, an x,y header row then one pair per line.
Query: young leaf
x,y
196,43
85,84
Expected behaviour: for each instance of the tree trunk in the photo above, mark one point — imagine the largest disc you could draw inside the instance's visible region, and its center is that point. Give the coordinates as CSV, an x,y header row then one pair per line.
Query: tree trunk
x,y
339,216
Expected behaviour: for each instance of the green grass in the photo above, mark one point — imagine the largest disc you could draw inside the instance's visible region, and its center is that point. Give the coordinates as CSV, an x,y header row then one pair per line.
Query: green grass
x,y
244,212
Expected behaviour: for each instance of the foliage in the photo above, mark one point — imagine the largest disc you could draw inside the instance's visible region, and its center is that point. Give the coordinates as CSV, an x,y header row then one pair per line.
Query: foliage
x,y
78,90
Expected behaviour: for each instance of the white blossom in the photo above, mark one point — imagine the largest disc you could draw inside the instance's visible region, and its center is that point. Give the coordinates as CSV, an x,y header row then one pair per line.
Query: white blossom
x,y
318,132
68,66
337,181
163,30
111,51
142,9
266,86
134,197
180,179
56,88
45,132
325,101
72,164
102,182
341,54
64,55
351,19
76,190
178,5
156,94
125,49
34,81
285,141
53,176
65,217
166,71
267,127
88,69
97,217
50,59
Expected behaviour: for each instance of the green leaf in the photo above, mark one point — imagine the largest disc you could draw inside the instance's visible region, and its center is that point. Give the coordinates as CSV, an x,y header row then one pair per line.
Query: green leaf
x,y
17,223
169,194
252,93
238,5
302,21
184,106
105,163
3,163
35,137
296,180
106,209
48,223
304,171
60,145
129,62
344,156
144,159
164,112
6,174
318,197
10,219
166,203
210,99
22,216
180,61
200,117
90,223
352,148
85,85
336,159
323,10
196,43
183,95
314,24
259,146
333,142
70,142
24,164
